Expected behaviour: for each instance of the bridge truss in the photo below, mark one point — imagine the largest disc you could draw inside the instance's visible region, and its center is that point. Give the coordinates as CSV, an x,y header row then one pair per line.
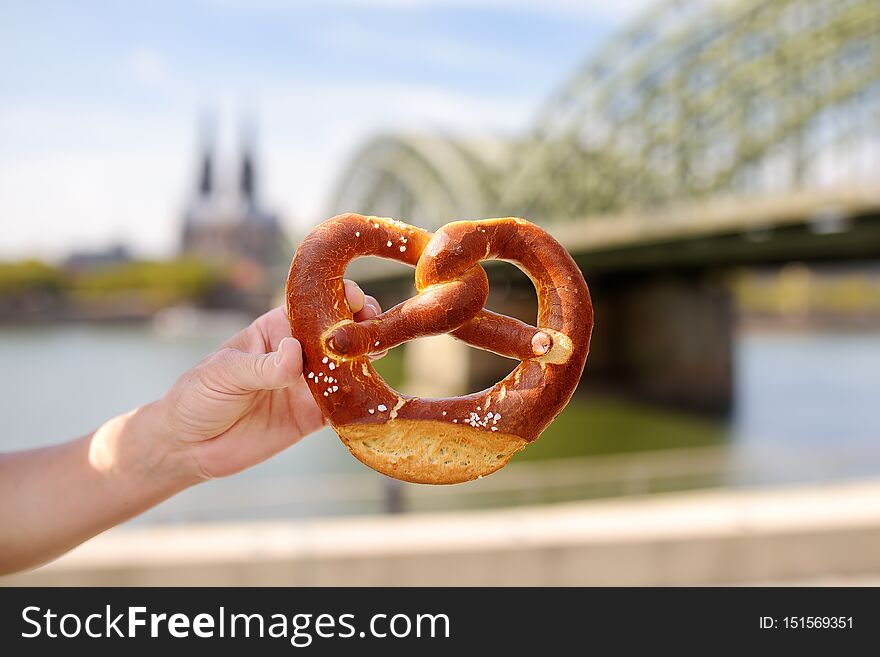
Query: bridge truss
x,y
695,99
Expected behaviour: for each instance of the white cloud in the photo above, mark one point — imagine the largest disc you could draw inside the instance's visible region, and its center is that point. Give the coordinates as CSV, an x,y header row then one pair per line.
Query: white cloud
x,y
85,177
309,133
448,52
148,66
90,200
617,10
82,176
609,12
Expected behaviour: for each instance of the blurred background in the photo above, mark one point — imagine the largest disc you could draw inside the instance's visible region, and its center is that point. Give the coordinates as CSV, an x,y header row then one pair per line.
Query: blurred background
x,y
713,166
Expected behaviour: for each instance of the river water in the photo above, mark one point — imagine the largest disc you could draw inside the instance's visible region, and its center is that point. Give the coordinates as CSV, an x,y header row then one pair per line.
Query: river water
x,y
806,409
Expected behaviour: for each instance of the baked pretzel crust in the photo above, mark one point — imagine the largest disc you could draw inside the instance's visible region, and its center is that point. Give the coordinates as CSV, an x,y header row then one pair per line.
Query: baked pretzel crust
x,y
455,439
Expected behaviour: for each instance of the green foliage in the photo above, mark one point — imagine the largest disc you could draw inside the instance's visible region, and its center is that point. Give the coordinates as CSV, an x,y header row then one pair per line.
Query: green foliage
x,y
158,282
590,427
390,368
151,282
28,275
796,290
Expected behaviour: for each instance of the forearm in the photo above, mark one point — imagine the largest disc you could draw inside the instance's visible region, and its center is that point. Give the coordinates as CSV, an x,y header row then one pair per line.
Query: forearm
x,y
55,498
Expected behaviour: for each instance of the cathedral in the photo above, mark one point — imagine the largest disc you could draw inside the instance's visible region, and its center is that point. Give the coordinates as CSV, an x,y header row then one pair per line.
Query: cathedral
x,y
224,221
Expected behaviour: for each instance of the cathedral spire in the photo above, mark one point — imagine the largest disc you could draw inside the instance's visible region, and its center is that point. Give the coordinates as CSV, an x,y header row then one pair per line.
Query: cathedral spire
x,y
247,179
223,221
206,171
205,175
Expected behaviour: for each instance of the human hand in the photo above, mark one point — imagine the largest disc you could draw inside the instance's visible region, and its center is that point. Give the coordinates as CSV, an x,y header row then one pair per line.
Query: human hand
x,y
248,400
235,408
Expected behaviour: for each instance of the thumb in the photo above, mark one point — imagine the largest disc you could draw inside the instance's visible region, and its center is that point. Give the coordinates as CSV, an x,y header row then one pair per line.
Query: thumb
x,y
240,371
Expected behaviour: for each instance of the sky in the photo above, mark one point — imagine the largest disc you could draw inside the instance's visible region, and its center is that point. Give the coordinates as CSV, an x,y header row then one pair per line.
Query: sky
x,y
100,101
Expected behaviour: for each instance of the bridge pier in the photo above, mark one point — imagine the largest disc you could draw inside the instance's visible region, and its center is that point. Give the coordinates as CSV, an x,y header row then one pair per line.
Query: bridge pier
x,y
665,338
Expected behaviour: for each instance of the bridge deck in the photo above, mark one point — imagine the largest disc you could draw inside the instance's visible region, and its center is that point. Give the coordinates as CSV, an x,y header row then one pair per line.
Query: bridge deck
x,y
816,224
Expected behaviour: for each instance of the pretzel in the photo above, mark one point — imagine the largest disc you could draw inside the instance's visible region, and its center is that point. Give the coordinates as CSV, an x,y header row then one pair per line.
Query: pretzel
x,y
455,439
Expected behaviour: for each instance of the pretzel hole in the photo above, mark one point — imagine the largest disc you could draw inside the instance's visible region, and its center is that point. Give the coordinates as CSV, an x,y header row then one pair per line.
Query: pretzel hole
x,y
511,291
390,282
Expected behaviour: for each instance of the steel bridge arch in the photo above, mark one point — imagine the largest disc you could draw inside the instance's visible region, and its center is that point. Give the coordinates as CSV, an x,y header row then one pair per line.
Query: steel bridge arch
x,y
695,98
698,98
428,180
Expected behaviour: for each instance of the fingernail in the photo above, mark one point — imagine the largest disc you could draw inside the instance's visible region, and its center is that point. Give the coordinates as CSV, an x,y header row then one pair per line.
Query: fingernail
x,y
354,296
541,343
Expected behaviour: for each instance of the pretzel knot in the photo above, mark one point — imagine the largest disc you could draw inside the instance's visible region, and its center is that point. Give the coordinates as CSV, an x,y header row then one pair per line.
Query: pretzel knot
x,y
457,438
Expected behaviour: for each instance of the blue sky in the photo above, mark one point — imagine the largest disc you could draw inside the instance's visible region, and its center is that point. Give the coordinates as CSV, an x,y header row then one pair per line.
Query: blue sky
x,y
99,101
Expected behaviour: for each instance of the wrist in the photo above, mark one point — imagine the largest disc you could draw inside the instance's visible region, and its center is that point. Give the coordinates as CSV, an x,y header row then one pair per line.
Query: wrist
x,y
138,452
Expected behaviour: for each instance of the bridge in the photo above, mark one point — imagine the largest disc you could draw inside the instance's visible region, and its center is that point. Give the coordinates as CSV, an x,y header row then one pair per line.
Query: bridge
x,y
707,135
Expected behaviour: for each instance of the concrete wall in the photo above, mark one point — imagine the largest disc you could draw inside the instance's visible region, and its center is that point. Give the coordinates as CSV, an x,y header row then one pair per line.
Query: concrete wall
x,y
716,537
